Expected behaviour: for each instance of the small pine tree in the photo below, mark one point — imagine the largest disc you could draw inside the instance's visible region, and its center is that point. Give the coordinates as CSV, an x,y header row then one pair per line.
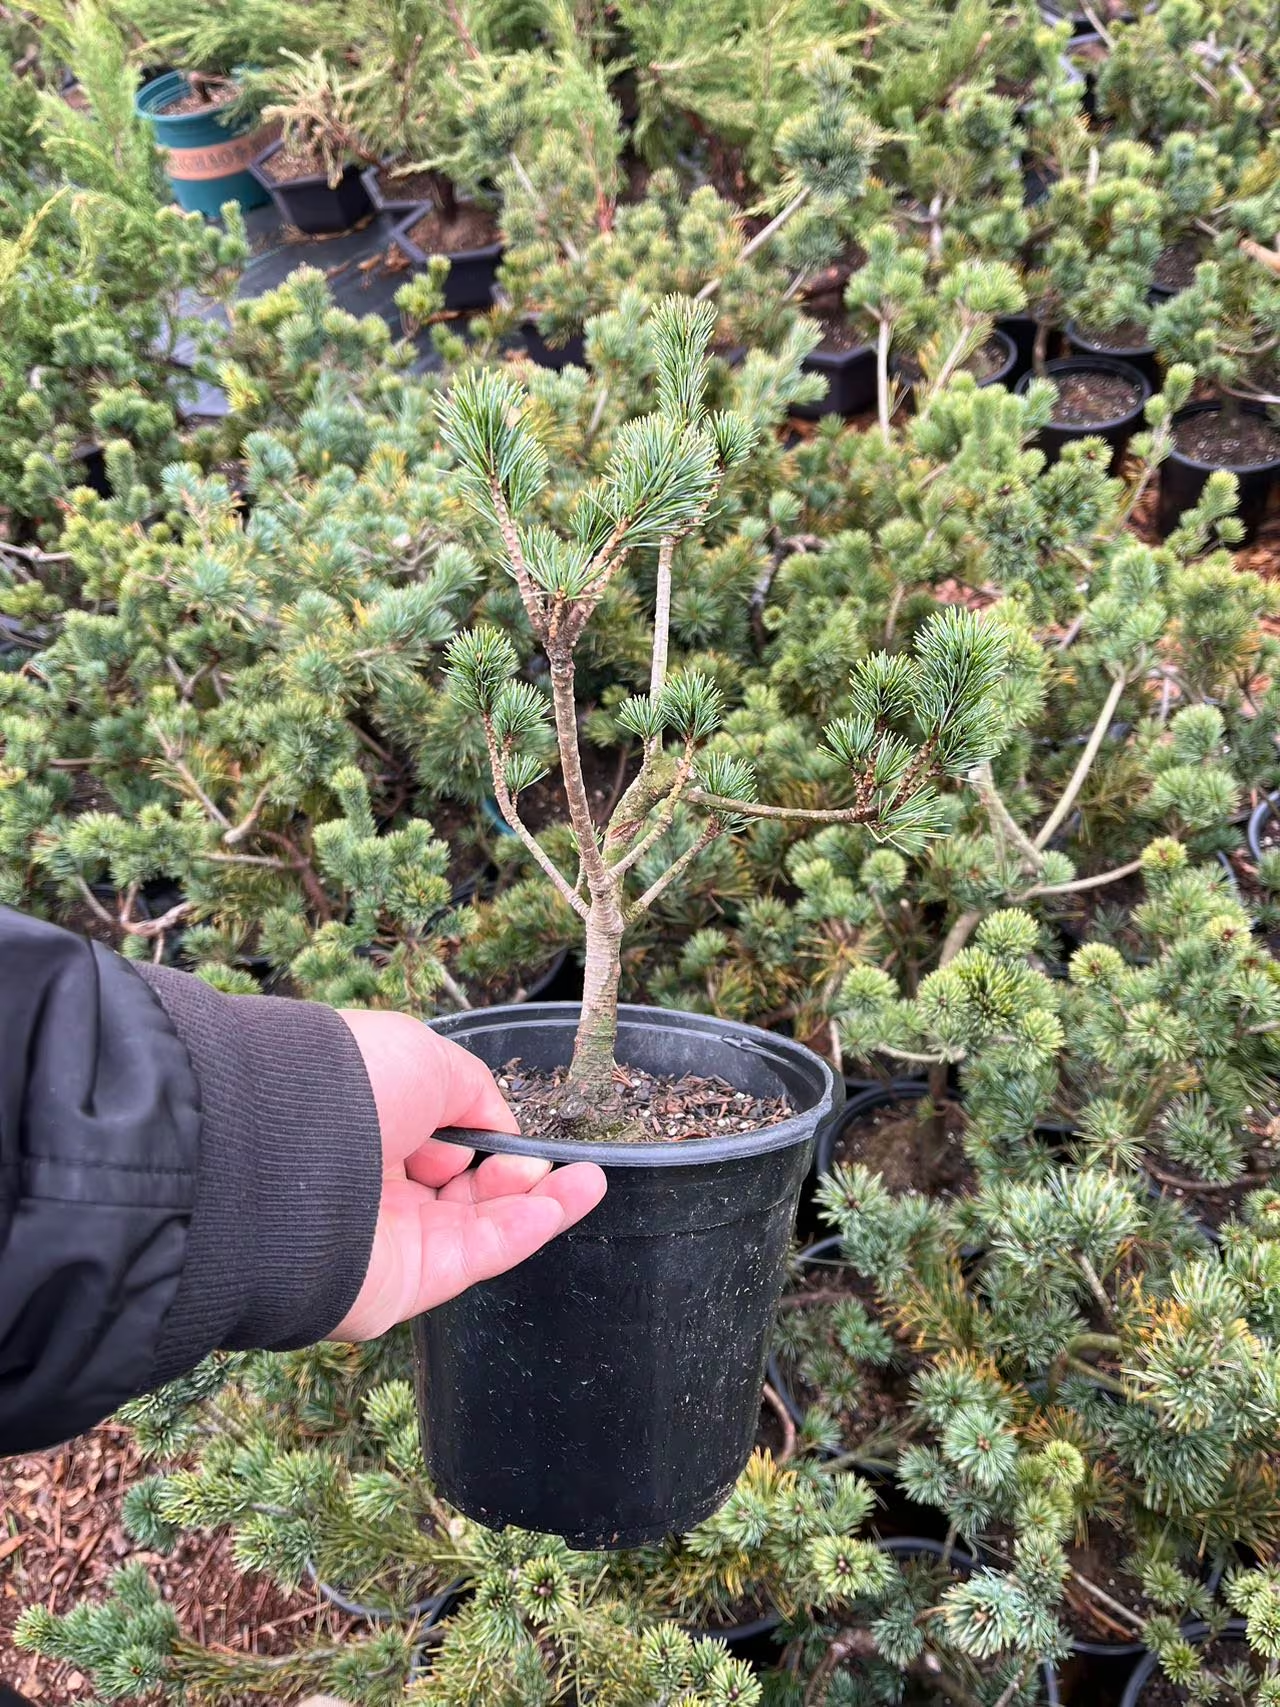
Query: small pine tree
x,y
663,477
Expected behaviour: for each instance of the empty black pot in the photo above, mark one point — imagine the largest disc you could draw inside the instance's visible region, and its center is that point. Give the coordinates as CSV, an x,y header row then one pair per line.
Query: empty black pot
x,y
311,203
608,1390
1182,478
572,353
1140,356
851,382
1116,432
472,272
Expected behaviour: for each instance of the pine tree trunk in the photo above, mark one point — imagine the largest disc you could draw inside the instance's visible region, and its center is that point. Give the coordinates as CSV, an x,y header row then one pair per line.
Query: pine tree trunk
x,y
593,1049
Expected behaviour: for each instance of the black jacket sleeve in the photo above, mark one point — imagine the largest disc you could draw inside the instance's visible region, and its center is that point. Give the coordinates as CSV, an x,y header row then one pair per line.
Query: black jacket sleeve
x,y
180,1171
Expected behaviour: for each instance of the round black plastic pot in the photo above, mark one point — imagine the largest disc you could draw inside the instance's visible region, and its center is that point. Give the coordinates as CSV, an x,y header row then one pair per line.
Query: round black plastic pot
x,y
1002,375
1182,479
572,353
897,1090
1148,1666
1021,328
1116,432
425,1613
472,272
1140,356
608,1390
851,382
1267,810
822,1250
312,204
755,1642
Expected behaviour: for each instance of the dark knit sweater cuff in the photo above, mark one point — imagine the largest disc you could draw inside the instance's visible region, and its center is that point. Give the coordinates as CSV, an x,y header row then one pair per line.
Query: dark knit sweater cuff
x,y
290,1173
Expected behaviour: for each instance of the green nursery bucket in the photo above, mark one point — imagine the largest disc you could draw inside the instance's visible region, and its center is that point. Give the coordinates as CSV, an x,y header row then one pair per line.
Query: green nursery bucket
x,y
207,153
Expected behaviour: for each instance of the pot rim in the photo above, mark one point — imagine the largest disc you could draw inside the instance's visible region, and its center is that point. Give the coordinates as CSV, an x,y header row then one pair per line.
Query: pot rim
x,y
1080,336
419,257
797,1129
861,1102
1095,364
310,181
1267,807
1206,408
148,98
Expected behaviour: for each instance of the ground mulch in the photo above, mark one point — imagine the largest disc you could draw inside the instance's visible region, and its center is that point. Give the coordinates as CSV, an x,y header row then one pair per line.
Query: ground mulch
x,y
61,1539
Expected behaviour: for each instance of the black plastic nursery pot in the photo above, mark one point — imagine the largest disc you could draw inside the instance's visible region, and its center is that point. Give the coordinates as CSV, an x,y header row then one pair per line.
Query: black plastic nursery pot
x,y
1021,328
1140,356
756,1641
383,202
608,1390
572,353
311,203
1116,431
1264,813
472,272
1147,1668
879,1096
1183,478
851,382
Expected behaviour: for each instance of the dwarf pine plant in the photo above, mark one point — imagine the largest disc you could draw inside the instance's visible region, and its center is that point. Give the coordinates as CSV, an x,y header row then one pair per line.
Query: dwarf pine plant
x,y
914,717
1112,1323
96,276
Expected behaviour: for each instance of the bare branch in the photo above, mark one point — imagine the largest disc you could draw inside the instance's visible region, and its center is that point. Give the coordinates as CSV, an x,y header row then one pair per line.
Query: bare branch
x,y
534,603
507,806
663,883
1080,775
1096,882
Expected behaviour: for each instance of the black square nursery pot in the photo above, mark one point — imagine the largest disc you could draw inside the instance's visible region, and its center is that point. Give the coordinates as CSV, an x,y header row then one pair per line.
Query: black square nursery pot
x,y
311,203
608,1390
472,272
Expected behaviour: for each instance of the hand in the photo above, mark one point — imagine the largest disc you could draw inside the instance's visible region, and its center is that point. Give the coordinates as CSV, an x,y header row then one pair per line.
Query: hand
x,y
443,1225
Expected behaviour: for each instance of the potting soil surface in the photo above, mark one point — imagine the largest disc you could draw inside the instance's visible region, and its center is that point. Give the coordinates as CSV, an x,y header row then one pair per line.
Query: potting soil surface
x,y
989,358
1245,442
837,334
666,1110
1175,266
405,186
470,228
1092,398
1116,339
201,100
893,1141
288,164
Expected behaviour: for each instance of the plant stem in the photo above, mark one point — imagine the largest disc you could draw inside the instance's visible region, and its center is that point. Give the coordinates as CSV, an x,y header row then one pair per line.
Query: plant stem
x,y
883,338
758,241
662,618
1080,775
